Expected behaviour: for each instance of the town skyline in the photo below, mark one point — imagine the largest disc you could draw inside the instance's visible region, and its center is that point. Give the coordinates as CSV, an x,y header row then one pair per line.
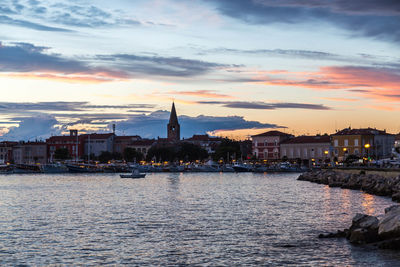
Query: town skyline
x,y
233,68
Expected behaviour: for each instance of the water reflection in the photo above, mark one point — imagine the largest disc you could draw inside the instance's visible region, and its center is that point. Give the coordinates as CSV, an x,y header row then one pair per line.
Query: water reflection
x,y
179,219
368,202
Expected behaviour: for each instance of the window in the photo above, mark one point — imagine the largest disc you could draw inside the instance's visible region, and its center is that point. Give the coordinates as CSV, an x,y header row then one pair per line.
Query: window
x,y
346,142
336,142
355,142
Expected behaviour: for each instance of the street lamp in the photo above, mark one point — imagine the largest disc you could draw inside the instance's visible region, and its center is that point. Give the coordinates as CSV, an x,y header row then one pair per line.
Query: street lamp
x,y
366,148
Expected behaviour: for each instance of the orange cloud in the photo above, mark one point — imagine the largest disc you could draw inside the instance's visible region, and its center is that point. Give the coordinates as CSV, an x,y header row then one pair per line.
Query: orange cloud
x,y
340,99
99,77
201,93
383,83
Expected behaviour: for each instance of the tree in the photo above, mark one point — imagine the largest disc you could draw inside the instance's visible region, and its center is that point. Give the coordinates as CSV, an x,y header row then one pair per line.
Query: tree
x,y
226,147
191,152
62,154
161,153
106,156
131,154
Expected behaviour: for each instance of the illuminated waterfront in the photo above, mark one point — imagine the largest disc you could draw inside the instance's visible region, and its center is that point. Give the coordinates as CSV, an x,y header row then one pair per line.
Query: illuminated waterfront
x,y
187,218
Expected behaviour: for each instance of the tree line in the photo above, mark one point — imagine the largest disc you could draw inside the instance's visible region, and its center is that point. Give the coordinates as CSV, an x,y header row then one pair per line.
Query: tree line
x,y
227,150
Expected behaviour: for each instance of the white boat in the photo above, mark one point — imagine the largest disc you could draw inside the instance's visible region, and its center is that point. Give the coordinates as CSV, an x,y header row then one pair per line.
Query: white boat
x,y
135,174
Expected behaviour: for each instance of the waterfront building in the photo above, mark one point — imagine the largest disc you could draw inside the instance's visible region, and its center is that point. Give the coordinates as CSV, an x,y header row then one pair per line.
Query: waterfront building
x,y
366,142
142,145
122,142
95,144
266,146
309,149
173,127
30,153
73,142
6,148
205,141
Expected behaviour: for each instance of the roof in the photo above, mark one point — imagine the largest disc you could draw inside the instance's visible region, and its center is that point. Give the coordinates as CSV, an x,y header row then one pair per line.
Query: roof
x,y
173,118
362,131
308,139
97,136
143,142
203,137
8,143
61,138
272,133
127,137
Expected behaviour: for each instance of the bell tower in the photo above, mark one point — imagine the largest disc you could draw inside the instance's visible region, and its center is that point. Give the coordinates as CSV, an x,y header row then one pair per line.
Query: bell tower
x,y
173,127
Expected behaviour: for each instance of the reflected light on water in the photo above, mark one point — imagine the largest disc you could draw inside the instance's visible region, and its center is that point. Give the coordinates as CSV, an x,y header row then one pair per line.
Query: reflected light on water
x,y
368,202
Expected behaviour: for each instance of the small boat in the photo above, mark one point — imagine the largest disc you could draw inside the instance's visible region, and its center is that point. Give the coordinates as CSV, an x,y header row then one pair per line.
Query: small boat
x,y
135,174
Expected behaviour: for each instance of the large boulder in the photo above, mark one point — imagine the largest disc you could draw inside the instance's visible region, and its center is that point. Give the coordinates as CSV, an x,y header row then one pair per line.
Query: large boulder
x,y
389,226
364,229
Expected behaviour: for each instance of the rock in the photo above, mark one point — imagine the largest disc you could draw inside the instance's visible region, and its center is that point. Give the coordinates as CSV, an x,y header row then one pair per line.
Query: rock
x,y
396,196
389,226
364,229
338,234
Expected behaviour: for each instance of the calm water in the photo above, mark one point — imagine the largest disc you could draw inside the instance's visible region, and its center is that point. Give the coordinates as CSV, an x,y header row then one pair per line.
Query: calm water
x,y
180,219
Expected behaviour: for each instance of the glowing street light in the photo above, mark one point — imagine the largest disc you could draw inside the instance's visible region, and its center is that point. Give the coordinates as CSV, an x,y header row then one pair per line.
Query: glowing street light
x,y
366,148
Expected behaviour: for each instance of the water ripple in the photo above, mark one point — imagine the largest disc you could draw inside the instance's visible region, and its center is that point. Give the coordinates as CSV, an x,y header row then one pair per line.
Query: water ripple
x,y
180,219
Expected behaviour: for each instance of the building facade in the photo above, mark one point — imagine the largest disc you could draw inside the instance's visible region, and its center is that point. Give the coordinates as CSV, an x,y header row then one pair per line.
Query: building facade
x,y
142,145
73,142
309,149
95,143
266,146
122,142
206,142
30,153
366,142
6,154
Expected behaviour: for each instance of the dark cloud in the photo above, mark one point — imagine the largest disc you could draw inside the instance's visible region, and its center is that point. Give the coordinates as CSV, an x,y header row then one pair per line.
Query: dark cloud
x,y
154,124
30,25
366,59
378,19
25,57
30,128
161,66
11,107
263,105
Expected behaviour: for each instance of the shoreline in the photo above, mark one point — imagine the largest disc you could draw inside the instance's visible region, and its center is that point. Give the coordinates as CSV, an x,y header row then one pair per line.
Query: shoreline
x,y
372,183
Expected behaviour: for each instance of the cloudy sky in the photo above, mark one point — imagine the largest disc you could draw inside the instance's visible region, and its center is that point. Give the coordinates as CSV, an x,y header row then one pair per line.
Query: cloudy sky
x,y
233,67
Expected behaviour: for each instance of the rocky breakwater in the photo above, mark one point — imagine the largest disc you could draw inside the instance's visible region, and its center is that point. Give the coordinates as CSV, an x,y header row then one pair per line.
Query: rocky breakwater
x,y
370,183
366,229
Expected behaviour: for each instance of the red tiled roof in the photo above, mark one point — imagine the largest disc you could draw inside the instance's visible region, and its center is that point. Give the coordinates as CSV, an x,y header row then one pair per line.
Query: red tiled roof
x,y
308,139
272,133
363,131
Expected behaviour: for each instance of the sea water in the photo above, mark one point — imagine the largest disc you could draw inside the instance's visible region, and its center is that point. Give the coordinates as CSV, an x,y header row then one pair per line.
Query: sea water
x,y
181,219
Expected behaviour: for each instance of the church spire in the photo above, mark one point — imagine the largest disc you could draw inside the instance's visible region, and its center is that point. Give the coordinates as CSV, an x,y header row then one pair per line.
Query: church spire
x,y
173,127
173,118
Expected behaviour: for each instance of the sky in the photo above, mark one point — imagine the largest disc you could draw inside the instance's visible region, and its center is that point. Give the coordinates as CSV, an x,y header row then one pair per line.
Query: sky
x,y
233,68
